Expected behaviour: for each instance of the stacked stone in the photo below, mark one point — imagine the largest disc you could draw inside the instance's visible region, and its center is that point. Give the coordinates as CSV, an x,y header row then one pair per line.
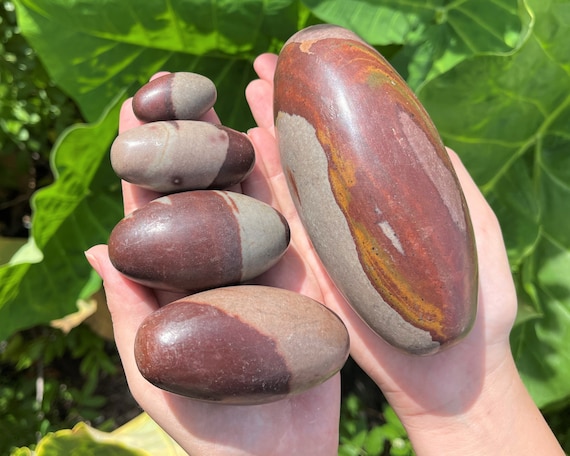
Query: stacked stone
x,y
226,341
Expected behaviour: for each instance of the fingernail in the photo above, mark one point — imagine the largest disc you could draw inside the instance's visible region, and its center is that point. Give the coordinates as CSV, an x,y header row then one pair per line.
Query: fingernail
x,y
92,261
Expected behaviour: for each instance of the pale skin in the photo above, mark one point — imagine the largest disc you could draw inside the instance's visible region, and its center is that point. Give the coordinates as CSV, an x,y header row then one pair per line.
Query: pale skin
x,y
467,399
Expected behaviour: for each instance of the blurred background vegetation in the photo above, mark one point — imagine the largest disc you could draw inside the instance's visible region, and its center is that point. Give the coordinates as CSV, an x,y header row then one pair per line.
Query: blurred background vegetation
x,y
66,66
48,377
33,113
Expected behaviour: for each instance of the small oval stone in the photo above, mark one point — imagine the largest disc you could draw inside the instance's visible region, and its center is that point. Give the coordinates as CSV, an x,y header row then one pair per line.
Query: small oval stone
x,y
184,155
197,240
245,344
175,96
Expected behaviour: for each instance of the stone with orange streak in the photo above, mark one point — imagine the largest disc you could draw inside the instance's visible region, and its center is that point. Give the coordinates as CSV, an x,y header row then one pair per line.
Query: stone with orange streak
x,y
375,189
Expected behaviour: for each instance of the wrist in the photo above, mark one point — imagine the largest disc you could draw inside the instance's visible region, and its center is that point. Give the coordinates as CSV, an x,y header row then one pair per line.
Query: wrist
x,y
500,419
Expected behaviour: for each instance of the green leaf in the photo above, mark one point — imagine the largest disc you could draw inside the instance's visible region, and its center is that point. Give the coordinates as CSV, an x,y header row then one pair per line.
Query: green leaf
x,y
139,437
540,344
494,75
437,35
8,247
374,443
95,51
78,210
508,118
114,50
393,421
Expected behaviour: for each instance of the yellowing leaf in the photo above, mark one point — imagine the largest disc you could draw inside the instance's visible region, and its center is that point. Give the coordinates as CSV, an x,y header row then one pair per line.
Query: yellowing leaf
x,y
86,308
139,437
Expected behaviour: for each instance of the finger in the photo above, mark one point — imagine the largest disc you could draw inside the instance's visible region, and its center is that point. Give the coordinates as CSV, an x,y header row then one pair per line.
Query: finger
x,y
128,302
475,199
485,223
127,118
266,153
259,96
493,263
267,182
264,65
259,93
158,75
211,117
135,197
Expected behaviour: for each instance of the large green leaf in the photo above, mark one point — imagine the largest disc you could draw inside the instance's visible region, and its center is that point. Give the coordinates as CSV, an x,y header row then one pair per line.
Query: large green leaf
x,y
509,119
47,276
96,53
96,50
437,34
494,74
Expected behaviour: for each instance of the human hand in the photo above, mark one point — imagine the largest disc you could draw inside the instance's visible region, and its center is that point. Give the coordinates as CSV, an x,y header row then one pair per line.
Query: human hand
x,y
443,383
304,424
466,399
444,389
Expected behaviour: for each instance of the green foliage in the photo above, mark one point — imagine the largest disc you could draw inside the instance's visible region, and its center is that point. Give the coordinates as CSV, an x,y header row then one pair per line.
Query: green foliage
x,y
119,46
558,421
75,212
511,128
360,437
33,112
435,35
496,86
49,380
494,75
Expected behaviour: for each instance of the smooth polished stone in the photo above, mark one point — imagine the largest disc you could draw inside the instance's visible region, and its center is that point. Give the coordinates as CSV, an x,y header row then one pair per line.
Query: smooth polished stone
x,y
175,96
197,240
376,190
241,345
182,155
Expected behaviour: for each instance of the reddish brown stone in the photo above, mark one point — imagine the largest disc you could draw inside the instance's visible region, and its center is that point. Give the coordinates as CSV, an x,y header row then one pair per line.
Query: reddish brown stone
x,y
177,156
175,96
197,240
241,345
376,189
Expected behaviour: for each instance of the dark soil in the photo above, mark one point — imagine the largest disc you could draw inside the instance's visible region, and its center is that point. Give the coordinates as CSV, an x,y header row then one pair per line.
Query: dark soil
x,y
15,210
120,406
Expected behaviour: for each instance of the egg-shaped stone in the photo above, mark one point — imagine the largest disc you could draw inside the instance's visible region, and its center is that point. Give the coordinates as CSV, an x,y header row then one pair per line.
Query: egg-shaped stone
x,y
245,344
375,189
176,156
175,96
197,240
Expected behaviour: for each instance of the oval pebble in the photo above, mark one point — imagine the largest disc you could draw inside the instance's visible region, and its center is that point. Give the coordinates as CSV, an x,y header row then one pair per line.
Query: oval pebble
x,y
246,344
197,240
175,96
176,156
376,189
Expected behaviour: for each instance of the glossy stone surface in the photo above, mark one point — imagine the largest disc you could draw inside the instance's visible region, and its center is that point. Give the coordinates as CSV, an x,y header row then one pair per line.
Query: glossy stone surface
x,y
375,189
175,96
182,155
241,345
197,240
